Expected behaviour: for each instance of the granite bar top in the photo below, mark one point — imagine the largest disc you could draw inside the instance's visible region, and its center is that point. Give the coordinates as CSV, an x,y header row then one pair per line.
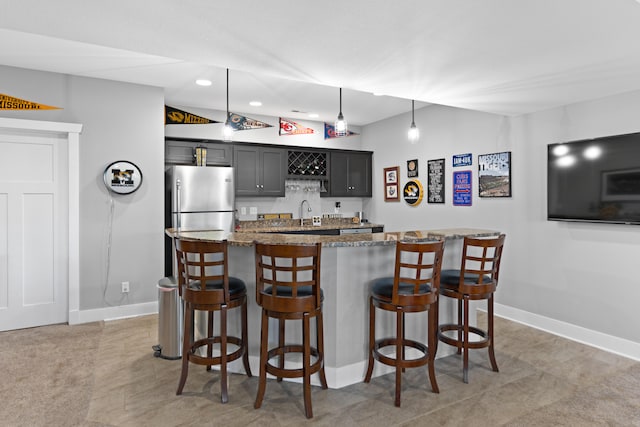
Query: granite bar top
x,y
348,240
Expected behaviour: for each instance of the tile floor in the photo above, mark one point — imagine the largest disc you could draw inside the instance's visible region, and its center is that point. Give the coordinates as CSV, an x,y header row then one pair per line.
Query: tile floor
x,y
104,374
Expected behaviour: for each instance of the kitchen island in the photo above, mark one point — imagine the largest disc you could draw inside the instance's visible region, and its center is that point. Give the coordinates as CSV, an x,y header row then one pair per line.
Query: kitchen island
x,y
349,263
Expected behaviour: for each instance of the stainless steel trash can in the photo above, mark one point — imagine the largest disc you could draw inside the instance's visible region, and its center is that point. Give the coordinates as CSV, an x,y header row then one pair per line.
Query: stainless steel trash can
x,y
170,320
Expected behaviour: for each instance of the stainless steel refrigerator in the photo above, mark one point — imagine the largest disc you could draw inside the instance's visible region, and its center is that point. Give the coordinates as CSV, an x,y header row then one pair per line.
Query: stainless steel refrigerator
x,y
198,198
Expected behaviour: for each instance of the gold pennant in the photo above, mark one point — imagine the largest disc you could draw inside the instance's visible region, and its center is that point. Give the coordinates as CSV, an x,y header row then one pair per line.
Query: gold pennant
x,y
10,103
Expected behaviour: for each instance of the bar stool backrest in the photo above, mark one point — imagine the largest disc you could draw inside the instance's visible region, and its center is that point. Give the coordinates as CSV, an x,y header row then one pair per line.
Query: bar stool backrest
x,y
480,265
417,273
203,273
288,277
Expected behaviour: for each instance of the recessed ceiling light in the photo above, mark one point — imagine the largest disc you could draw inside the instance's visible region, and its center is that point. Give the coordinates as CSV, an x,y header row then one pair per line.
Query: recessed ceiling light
x,y
255,104
203,82
314,115
378,94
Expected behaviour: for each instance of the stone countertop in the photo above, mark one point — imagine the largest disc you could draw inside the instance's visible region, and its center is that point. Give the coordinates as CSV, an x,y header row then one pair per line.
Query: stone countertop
x,y
348,240
301,228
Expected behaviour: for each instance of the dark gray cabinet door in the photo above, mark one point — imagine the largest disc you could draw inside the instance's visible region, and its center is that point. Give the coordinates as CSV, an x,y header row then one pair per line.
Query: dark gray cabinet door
x,y
273,172
259,171
178,152
350,175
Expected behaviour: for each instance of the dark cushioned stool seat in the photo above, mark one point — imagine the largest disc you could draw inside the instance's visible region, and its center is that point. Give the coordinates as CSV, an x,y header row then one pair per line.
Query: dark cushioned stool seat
x,y
452,277
286,291
236,286
384,287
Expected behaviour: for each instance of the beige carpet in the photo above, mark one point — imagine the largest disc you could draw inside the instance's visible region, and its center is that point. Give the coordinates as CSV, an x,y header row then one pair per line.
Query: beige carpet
x,y
104,374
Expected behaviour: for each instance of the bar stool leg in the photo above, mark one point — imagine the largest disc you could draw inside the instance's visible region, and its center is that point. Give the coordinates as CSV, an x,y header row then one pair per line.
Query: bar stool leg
x,y
465,354
223,354
432,339
399,353
209,334
186,341
492,356
459,326
320,344
306,362
245,342
264,341
372,339
281,333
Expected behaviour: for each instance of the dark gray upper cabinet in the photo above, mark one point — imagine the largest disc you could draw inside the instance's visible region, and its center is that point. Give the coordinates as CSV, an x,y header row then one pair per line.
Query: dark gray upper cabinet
x,y
350,174
259,171
182,152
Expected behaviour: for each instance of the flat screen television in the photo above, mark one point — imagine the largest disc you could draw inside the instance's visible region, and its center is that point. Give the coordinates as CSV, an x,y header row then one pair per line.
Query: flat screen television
x,y
595,180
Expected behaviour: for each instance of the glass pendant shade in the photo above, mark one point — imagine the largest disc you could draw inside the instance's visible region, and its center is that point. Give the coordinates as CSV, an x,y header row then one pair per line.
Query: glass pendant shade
x,y
414,133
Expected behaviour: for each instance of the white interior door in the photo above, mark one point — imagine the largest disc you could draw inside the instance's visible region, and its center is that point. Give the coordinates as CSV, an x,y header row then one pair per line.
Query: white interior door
x,y
33,229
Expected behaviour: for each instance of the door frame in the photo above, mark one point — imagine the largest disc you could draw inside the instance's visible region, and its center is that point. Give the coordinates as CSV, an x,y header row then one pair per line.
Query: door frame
x,y
70,131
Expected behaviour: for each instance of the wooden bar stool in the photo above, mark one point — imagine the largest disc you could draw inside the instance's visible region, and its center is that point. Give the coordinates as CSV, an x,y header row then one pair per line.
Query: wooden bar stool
x,y
477,279
204,284
412,289
288,288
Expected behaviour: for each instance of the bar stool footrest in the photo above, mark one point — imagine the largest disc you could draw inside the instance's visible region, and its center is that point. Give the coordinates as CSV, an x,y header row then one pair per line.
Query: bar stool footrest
x,y
204,360
398,362
483,343
292,372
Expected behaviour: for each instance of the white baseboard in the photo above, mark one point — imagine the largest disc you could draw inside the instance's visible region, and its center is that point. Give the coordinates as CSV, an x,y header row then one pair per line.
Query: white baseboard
x,y
112,313
582,335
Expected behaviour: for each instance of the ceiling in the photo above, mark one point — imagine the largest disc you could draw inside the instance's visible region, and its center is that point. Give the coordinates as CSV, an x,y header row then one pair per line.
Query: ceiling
x,y
506,57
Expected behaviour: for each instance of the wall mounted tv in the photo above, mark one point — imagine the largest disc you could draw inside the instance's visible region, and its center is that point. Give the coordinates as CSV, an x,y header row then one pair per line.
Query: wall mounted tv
x,y
595,180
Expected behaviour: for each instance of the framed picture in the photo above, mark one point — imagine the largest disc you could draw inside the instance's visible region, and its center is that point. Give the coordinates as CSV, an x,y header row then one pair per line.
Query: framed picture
x,y
494,174
412,168
435,181
391,184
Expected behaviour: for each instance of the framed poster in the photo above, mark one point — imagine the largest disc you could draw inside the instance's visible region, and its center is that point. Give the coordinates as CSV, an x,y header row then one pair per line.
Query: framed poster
x,y
391,184
462,188
462,160
494,174
435,181
412,168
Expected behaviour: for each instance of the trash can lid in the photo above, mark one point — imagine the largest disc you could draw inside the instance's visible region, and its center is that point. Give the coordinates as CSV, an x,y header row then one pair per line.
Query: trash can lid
x,y
167,282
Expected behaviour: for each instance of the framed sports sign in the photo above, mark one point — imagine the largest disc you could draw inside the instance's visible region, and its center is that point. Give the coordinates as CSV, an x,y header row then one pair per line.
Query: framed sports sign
x,y
122,177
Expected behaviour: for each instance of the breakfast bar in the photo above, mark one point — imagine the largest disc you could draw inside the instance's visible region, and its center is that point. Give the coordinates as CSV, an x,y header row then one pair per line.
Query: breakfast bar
x,y
348,264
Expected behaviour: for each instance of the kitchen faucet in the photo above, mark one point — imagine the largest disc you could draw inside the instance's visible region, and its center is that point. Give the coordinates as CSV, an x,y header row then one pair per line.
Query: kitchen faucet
x,y
302,212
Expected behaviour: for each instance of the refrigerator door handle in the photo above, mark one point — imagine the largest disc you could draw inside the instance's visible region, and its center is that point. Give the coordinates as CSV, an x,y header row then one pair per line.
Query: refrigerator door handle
x,y
178,185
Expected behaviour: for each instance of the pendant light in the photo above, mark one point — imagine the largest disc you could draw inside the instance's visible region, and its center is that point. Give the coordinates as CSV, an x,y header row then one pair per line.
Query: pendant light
x,y
341,123
414,132
227,131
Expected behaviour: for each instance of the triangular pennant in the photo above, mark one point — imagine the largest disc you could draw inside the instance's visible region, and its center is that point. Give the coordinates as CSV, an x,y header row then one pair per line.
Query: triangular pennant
x,y
330,132
238,122
289,127
10,103
174,116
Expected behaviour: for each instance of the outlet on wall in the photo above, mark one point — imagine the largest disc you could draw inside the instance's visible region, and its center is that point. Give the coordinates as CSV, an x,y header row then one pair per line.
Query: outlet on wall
x,y
125,287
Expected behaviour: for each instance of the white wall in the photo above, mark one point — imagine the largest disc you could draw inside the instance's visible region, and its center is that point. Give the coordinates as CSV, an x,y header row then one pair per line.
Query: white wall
x,y
562,276
120,122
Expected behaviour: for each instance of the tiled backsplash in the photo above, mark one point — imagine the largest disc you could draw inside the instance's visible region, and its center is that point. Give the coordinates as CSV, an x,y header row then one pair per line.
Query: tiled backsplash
x,y
295,192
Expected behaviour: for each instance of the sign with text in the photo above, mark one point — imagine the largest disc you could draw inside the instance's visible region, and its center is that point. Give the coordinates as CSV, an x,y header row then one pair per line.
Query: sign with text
x,y
435,181
462,188
462,160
